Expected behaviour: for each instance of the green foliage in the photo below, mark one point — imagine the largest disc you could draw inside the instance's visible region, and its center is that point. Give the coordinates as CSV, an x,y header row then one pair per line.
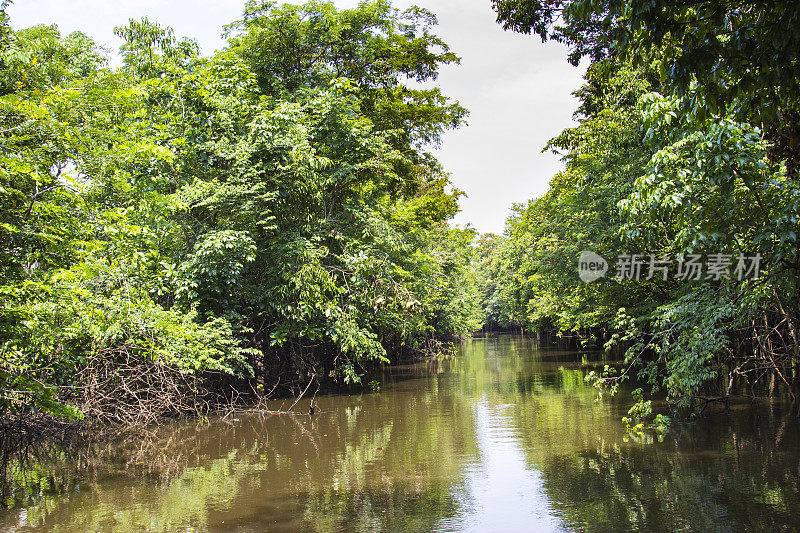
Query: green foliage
x,y
149,47
210,273
687,144
736,49
636,424
190,216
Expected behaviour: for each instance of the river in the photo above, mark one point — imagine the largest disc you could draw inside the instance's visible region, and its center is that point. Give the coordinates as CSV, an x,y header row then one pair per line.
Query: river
x,y
503,437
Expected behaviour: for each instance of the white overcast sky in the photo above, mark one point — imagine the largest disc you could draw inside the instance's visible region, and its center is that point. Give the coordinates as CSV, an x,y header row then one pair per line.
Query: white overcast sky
x,y
517,89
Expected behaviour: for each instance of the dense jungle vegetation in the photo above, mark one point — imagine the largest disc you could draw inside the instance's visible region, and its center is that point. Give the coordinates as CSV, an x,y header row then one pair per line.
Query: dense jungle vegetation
x,y
183,230
687,149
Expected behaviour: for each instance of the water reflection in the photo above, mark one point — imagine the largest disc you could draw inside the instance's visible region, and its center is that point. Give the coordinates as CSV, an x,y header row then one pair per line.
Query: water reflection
x,y
503,436
501,492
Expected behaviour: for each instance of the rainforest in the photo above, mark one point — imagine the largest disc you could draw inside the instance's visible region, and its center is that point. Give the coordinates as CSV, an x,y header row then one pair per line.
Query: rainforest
x,y
185,236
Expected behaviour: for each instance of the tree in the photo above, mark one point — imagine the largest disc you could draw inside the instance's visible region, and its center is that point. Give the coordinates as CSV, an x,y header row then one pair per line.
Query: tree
x,y
265,217
706,166
743,53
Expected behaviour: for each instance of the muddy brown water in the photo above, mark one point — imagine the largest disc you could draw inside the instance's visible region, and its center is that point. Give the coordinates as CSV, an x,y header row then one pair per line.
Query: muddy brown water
x,y
504,437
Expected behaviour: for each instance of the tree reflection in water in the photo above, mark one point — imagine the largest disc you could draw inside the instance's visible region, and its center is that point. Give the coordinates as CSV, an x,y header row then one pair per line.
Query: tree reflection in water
x,y
502,434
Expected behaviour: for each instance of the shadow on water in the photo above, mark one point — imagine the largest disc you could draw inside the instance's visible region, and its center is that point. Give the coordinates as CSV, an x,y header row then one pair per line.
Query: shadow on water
x,y
504,436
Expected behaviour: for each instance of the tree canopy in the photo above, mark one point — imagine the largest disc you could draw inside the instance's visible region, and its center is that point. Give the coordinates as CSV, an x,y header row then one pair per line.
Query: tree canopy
x,y
686,152
183,228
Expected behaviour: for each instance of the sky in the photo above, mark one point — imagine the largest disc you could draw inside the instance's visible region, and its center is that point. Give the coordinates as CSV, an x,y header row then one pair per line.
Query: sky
x,y
518,90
